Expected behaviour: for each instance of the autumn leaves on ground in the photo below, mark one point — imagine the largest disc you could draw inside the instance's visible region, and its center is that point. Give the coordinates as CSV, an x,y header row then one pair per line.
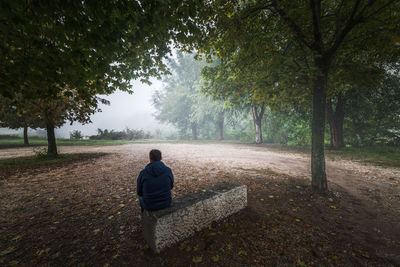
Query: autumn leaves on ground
x,y
85,211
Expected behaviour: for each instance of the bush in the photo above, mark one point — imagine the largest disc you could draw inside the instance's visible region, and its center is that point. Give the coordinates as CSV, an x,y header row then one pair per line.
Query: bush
x,y
127,134
76,135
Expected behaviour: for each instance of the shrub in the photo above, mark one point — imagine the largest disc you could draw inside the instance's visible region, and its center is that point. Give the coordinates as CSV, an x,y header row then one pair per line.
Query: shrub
x,y
76,135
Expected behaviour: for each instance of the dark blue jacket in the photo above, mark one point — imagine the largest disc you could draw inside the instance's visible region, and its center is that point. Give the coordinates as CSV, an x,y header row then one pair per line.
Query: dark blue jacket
x,y
154,186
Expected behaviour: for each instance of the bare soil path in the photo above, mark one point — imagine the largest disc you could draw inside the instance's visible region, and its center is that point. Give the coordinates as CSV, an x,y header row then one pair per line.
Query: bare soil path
x,y
368,196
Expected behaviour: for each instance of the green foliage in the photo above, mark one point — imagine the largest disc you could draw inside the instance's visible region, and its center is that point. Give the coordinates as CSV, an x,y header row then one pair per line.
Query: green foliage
x,y
76,135
94,47
373,114
290,126
127,134
181,103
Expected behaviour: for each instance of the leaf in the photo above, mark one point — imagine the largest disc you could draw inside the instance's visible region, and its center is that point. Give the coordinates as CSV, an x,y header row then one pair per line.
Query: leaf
x,y
56,255
197,259
6,251
301,263
298,220
333,207
14,263
242,253
51,198
271,196
110,217
122,205
96,231
215,258
18,237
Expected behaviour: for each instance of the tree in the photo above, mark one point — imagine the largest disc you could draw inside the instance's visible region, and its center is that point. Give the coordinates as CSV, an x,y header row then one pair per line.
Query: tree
x,y
317,32
238,87
176,104
63,49
12,118
91,46
53,113
373,113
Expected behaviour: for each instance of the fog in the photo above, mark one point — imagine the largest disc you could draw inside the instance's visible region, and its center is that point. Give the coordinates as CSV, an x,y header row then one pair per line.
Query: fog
x,y
126,110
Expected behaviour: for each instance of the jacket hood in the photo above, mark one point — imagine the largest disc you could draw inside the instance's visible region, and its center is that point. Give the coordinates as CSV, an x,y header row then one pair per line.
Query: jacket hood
x,y
156,168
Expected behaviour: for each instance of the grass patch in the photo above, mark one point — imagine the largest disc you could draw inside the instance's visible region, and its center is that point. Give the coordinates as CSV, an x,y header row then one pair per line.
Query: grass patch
x,y
33,161
14,143
381,155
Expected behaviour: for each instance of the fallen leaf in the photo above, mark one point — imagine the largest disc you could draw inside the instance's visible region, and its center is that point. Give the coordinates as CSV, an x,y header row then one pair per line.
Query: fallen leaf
x,y
215,258
6,251
197,259
242,253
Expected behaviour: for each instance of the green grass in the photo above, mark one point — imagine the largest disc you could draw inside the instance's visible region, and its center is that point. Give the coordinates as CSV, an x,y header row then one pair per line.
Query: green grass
x,y
34,161
12,143
381,155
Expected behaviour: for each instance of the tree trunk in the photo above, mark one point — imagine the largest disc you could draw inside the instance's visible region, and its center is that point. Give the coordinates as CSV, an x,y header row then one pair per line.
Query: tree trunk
x,y
221,126
319,182
335,119
194,131
26,141
51,140
257,118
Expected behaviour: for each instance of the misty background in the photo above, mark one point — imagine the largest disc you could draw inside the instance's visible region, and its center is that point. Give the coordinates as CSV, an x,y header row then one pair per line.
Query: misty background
x,y
134,111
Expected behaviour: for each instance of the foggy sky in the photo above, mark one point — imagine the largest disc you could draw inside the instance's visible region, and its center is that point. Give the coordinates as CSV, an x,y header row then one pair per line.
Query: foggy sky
x,y
126,110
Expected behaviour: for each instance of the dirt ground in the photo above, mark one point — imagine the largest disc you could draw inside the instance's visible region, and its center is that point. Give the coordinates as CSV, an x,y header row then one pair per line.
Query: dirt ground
x,y
86,212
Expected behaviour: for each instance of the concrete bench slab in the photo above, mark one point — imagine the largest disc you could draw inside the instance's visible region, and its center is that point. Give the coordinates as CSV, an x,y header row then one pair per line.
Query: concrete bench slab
x,y
192,213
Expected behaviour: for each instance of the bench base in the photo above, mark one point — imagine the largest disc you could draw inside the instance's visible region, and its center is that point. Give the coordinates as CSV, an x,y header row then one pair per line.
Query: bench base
x,y
192,213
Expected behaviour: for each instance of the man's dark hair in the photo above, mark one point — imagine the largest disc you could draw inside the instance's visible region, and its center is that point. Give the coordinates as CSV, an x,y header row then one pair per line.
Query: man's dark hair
x,y
155,155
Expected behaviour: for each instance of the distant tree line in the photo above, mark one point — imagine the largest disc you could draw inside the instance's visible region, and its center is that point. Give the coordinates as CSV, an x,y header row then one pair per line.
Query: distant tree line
x,y
194,101
127,134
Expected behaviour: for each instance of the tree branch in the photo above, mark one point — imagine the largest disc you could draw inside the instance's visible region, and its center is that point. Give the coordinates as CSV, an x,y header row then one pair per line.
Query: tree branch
x,y
316,18
292,25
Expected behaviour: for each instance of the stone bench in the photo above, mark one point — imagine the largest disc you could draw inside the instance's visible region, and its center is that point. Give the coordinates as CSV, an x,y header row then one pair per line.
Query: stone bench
x,y
192,213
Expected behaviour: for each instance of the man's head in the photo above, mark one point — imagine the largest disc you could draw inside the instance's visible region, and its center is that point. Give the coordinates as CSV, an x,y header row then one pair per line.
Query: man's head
x,y
155,155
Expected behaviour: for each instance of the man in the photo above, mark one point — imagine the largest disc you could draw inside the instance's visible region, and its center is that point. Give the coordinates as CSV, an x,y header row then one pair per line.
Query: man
x,y
154,184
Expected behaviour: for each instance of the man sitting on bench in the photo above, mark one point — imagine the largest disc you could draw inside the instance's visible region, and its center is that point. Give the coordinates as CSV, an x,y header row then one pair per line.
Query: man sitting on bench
x,y
154,184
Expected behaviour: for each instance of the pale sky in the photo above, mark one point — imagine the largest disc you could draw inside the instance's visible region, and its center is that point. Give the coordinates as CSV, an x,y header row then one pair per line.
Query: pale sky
x,y
126,110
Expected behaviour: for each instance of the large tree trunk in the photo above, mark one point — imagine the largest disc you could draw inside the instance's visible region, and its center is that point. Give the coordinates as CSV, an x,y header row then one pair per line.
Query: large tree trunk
x,y
221,126
194,130
335,120
51,140
319,182
257,118
26,141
